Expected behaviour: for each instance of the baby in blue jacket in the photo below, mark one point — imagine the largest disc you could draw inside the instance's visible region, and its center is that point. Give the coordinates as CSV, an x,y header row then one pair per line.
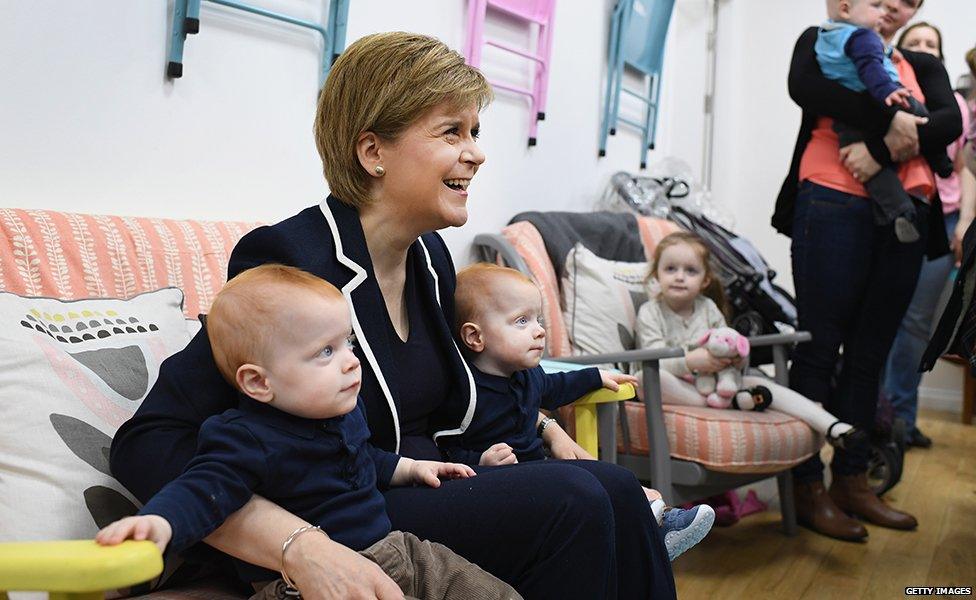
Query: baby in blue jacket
x,y
850,51
499,322
299,438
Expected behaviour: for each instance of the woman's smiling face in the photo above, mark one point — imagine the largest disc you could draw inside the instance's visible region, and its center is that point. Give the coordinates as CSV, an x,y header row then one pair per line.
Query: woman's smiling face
x,y
430,165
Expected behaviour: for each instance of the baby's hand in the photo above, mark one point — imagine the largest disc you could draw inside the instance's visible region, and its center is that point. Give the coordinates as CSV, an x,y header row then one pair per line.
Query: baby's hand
x,y
499,454
430,472
899,97
144,527
612,380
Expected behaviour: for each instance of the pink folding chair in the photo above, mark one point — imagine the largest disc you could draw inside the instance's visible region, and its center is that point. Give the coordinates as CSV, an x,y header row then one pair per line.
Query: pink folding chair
x,y
538,12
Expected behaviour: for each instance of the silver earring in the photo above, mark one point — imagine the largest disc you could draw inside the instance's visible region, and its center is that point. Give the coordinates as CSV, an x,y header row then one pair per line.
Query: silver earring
x,y
379,170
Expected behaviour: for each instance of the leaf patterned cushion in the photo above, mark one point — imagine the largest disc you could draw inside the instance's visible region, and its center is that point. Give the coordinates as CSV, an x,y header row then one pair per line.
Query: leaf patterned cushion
x,y
72,255
70,373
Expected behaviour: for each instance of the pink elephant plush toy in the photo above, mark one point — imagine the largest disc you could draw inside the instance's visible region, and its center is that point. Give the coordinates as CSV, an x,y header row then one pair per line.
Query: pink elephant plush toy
x,y
719,388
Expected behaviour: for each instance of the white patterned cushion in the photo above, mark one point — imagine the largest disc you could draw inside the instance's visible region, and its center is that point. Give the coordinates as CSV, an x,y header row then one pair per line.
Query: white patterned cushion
x,y
601,298
70,373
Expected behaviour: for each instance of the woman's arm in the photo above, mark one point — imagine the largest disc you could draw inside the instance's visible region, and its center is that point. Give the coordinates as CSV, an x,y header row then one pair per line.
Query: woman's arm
x,y
945,120
321,568
560,445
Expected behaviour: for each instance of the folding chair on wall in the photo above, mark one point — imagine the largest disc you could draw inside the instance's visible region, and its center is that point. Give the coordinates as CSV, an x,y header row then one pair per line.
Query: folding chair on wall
x,y
530,12
186,20
638,31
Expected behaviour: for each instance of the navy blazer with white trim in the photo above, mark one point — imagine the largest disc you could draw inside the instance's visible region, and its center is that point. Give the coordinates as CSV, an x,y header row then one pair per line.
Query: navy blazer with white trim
x,y
328,241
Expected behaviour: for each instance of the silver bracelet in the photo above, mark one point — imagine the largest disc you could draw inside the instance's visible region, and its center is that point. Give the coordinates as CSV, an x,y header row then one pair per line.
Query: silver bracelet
x,y
288,542
543,424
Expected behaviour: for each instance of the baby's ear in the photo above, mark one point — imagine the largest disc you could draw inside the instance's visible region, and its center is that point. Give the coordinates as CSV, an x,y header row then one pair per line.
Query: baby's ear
x,y
253,381
472,337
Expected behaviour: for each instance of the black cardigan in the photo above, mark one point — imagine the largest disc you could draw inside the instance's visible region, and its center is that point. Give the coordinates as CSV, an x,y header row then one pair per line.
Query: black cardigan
x,y
818,96
326,240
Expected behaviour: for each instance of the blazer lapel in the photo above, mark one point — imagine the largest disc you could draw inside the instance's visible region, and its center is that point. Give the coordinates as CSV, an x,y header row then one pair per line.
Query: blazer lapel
x,y
364,298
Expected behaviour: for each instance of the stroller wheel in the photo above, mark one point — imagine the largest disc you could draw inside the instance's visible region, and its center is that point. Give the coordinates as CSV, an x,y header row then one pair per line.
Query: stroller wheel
x,y
884,467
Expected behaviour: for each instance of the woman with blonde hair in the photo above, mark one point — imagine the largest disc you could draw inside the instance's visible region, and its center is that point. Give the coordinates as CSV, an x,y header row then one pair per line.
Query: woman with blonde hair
x,y
396,128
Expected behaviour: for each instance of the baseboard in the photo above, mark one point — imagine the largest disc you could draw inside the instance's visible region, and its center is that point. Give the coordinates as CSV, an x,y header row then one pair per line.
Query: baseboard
x,y
940,399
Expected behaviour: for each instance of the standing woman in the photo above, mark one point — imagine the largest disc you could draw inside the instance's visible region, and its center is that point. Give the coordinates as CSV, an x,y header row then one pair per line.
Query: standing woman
x,y
396,128
901,375
854,279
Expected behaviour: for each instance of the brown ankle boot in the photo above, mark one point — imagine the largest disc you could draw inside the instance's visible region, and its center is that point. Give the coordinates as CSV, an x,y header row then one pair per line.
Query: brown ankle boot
x,y
852,494
816,510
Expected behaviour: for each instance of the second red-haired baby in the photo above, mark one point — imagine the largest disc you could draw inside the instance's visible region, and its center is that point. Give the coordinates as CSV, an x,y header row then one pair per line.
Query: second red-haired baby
x,y
499,322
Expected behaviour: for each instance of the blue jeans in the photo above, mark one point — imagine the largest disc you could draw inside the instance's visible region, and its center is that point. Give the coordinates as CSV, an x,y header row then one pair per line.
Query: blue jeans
x,y
854,281
902,376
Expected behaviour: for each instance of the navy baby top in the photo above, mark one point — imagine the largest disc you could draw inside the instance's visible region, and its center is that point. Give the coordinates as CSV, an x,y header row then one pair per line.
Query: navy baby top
x,y
508,408
320,470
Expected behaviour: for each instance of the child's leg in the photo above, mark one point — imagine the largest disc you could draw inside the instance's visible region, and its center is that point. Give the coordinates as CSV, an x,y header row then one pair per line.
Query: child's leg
x,y
787,401
678,391
431,571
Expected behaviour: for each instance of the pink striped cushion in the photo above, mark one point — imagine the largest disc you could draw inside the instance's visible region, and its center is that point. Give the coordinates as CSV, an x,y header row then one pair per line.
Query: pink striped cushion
x,y
731,441
71,256
652,231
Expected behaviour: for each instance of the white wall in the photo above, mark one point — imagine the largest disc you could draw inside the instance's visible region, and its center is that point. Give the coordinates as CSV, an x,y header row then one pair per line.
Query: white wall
x,y
89,123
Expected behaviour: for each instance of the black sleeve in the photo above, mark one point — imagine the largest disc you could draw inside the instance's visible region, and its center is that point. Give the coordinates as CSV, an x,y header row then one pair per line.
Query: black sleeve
x,y
454,451
189,390
818,95
228,466
560,389
945,120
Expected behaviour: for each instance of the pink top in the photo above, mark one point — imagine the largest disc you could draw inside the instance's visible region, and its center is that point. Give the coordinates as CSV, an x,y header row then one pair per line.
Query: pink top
x,y
949,189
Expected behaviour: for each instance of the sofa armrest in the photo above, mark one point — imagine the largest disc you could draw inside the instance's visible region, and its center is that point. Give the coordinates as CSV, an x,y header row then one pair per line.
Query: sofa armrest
x,y
776,339
76,565
489,245
779,342
627,356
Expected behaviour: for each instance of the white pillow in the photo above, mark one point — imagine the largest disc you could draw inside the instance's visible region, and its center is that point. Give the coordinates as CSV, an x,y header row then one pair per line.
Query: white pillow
x,y
601,298
71,372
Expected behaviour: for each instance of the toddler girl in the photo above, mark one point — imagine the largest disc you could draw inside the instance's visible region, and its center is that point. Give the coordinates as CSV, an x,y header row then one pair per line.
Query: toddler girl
x,y
681,314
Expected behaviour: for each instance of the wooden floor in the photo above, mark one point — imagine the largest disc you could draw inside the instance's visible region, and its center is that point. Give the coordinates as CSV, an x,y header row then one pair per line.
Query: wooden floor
x,y
753,559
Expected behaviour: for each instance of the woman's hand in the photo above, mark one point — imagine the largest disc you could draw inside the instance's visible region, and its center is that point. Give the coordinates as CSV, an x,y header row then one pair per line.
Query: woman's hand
x,y
858,160
499,454
701,360
612,380
326,570
902,136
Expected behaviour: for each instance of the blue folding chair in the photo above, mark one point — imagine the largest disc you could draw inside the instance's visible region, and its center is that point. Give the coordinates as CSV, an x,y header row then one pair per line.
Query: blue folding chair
x,y
186,20
638,30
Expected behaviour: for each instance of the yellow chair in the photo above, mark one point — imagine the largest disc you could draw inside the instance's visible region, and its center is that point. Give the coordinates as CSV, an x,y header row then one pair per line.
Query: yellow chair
x,y
586,418
76,569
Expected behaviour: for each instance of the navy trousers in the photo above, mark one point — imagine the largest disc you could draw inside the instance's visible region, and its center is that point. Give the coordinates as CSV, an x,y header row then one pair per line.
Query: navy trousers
x,y
551,529
853,281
